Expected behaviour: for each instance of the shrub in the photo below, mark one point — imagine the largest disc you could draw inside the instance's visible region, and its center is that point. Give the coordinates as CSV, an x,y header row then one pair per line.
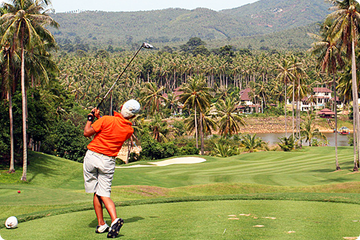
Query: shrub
x,y
189,149
152,149
287,144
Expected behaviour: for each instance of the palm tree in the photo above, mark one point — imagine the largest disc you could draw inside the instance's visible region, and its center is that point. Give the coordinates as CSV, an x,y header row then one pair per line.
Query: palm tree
x,y
299,91
24,24
159,129
285,75
251,142
207,121
345,27
308,131
196,95
152,97
8,86
230,121
328,54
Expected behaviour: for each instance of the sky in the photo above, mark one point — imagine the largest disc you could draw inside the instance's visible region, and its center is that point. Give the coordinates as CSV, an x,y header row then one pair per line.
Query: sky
x,y
144,5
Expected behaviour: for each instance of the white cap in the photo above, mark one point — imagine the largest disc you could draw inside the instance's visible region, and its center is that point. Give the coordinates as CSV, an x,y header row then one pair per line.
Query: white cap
x,y
130,108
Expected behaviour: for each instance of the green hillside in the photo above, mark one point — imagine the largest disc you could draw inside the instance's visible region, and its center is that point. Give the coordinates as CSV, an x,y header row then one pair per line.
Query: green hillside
x,y
176,26
268,16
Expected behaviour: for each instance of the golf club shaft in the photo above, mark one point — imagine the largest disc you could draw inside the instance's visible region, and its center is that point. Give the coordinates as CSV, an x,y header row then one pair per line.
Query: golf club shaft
x,y
119,77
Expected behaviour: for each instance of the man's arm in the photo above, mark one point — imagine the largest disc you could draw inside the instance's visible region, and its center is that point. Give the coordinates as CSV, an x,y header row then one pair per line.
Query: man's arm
x,y
88,130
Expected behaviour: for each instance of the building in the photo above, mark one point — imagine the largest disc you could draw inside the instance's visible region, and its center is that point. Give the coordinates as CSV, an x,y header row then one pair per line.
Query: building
x,y
317,100
246,105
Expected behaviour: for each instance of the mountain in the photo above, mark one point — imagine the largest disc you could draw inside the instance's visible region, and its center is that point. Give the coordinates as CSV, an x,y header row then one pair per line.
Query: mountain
x,y
268,16
175,26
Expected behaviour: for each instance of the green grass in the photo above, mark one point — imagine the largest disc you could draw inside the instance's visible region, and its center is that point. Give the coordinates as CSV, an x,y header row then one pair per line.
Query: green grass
x,y
206,220
156,201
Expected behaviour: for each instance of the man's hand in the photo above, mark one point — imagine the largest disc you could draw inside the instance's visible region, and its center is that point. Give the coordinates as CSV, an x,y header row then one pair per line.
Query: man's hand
x,y
94,113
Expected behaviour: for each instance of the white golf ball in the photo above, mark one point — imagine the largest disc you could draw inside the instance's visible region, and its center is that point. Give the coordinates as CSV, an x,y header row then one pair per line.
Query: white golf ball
x,y
11,222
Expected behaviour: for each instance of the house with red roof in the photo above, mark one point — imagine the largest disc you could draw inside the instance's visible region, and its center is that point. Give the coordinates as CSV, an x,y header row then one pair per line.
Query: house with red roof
x,y
246,104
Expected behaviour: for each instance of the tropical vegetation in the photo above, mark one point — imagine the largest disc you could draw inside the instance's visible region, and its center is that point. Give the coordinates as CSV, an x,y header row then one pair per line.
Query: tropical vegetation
x,y
189,95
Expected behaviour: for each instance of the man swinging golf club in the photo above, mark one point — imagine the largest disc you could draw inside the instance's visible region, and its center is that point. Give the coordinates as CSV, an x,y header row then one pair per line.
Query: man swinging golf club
x,y
99,162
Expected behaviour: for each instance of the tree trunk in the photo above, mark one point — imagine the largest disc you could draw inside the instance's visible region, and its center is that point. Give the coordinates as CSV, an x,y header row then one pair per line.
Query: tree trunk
x,y
298,111
335,110
293,117
196,130
285,109
201,133
24,118
355,106
12,159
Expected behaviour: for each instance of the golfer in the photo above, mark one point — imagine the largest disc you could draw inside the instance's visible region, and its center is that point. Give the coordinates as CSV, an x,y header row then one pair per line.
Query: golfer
x,y
99,162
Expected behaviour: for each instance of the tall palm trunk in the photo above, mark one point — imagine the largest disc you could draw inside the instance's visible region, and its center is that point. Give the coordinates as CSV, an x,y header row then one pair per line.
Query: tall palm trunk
x,y
24,118
196,130
12,159
335,110
285,109
293,117
298,110
201,133
355,106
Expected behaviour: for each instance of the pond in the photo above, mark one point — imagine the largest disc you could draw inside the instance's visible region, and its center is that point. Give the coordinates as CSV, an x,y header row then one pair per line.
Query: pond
x,y
273,138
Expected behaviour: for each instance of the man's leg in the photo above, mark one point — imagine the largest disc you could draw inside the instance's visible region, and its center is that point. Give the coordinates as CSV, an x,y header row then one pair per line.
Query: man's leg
x,y
98,209
110,207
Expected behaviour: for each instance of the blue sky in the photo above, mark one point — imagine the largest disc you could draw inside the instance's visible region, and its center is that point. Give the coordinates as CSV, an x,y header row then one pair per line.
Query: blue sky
x,y
144,5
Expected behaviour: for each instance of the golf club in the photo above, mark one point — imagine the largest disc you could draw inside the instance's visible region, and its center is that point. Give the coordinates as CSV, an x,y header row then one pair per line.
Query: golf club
x,y
144,45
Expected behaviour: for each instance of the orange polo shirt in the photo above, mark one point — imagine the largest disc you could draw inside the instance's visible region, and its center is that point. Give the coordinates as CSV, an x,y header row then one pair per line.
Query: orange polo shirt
x,y
111,133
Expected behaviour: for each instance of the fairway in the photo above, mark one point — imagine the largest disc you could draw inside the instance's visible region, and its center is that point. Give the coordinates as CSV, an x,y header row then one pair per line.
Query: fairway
x,y
264,195
206,220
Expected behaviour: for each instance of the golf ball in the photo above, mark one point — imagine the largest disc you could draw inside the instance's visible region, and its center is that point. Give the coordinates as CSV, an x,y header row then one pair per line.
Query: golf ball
x,y
11,222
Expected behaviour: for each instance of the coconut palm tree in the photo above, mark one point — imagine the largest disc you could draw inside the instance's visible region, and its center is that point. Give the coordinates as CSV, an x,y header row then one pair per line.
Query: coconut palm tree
x,y
159,129
345,24
7,63
24,26
229,120
328,54
299,90
196,96
152,97
308,131
285,75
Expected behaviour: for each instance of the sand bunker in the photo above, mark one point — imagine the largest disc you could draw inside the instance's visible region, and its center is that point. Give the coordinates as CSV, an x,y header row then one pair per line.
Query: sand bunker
x,y
182,160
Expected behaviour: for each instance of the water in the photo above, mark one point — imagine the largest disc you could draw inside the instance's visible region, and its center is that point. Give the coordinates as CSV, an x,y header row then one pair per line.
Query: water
x,y
273,138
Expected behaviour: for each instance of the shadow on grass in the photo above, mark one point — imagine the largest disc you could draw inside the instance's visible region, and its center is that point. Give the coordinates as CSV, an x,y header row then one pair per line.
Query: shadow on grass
x,y
94,223
38,166
334,180
328,170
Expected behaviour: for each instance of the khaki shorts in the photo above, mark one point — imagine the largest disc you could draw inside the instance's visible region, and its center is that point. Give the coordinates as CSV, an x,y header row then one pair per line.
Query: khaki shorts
x,y
98,173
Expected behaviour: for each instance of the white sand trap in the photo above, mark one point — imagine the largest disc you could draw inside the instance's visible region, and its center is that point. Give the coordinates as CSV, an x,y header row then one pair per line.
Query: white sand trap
x,y
182,160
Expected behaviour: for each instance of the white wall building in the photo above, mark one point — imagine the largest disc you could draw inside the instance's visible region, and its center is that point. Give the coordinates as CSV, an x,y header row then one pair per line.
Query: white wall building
x,y
318,100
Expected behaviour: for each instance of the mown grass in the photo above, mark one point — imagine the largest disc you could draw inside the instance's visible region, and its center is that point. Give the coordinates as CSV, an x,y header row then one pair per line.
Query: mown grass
x,y
225,219
55,188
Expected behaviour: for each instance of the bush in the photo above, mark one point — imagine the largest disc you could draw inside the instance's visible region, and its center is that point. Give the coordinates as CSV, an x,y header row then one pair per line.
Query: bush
x,y
67,141
152,149
189,149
